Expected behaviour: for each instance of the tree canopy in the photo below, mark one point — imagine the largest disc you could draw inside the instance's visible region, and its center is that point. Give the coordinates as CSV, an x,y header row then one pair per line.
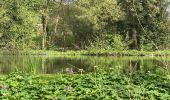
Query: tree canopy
x,y
81,24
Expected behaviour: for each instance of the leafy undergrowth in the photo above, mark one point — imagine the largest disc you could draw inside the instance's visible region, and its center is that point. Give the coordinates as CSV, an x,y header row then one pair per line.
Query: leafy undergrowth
x,y
101,85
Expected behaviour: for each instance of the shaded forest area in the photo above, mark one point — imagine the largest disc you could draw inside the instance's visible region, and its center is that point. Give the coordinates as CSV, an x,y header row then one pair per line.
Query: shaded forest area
x,y
84,24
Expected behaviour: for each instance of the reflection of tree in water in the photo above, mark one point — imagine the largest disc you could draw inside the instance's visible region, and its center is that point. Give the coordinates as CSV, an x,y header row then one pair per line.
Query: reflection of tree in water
x,y
59,65
132,66
162,63
5,65
15,63
51,65
145,65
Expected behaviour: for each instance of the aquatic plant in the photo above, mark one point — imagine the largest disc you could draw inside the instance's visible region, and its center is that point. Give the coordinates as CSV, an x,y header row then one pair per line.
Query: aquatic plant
x,y
98,85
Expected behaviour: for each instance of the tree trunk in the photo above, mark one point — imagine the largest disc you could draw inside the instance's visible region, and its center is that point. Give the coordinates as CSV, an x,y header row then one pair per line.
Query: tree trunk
x,y
134,39
44,23
134,36
55,29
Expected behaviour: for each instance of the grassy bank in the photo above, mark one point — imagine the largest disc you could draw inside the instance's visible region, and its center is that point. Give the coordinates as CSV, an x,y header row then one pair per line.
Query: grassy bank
x,y
98,85
88,52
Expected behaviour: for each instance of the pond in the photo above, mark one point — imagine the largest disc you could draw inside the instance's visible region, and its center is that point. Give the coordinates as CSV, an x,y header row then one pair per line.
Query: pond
x,y
63,64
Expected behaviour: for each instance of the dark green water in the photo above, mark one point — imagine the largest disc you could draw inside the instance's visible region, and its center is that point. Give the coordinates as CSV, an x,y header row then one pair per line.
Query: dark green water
x,y
53,65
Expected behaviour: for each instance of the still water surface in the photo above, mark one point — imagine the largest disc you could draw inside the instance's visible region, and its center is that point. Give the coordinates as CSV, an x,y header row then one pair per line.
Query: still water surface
x,y
54,65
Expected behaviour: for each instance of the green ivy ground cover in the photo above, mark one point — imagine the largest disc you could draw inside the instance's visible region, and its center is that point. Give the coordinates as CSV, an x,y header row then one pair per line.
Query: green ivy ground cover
x,y
105,85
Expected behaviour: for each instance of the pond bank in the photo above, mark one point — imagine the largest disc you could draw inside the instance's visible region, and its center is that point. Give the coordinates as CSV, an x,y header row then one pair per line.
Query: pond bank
x,y
88,53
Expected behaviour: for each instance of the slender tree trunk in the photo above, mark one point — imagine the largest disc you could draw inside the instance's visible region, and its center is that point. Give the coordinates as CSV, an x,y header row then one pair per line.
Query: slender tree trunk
x,y
55,29
56,24
44,23
134,38
43,42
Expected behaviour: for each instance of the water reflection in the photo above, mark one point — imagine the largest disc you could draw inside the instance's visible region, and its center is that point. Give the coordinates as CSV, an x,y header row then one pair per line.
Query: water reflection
x,y
52,65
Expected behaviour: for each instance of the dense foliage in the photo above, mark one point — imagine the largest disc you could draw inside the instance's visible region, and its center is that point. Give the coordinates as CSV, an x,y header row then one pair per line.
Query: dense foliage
x,y
98,85
145,23
84,24
18,22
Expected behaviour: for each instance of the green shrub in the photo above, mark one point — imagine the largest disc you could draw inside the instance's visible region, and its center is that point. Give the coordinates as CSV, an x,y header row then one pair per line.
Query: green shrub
x,y
108,42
